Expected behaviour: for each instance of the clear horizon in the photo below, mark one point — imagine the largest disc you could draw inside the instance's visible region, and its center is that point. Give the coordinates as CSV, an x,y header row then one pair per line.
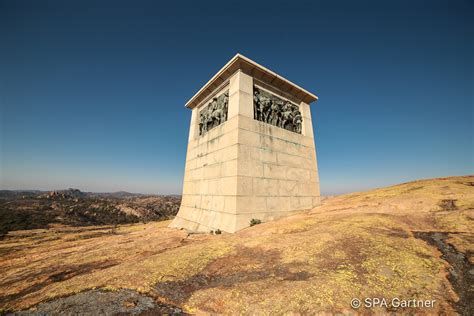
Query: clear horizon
x,y
180,193
92,94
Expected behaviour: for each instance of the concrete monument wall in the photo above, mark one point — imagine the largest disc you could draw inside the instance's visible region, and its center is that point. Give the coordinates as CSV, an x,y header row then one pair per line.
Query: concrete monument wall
x,y
244,169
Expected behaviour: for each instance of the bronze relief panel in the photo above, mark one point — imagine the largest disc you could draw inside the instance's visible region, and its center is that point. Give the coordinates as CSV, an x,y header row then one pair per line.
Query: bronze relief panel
x,y
214,114
273,110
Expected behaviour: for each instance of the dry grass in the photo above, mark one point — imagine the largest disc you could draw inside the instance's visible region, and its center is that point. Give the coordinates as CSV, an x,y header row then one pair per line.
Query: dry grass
x,y
356,245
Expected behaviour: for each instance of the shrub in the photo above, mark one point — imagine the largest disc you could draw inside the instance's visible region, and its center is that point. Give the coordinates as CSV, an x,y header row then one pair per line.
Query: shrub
x,y
218,232
254,222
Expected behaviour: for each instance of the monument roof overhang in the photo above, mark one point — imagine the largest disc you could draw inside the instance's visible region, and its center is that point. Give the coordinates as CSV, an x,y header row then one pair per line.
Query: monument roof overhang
x,y
255,70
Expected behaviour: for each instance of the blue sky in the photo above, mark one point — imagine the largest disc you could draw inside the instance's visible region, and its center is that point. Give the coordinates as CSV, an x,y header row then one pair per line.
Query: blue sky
x,y
92,93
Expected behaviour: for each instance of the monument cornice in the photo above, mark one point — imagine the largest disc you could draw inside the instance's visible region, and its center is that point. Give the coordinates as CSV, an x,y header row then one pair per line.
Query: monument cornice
x,y
250,67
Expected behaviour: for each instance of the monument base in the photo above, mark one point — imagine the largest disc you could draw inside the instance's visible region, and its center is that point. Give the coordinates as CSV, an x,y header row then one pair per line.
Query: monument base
x,y
243,170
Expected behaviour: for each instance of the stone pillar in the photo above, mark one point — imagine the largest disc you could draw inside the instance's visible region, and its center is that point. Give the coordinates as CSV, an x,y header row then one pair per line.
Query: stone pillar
x,y
193,125
307,122
240,95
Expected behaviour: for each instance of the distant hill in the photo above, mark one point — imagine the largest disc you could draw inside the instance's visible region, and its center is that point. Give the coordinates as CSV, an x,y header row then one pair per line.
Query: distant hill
x,y
5,194
71,192
119,194
39,209
64,194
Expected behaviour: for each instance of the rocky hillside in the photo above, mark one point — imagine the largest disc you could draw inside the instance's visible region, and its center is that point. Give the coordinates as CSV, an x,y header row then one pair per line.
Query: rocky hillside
x,y
409,243
34,209
63,194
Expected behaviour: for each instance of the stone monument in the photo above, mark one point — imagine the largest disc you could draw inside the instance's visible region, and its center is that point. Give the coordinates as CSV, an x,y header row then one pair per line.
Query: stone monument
x,y
251,152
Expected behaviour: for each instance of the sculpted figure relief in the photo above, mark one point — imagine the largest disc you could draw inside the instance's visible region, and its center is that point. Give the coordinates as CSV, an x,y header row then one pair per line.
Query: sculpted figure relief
x,y
214,113
270,109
